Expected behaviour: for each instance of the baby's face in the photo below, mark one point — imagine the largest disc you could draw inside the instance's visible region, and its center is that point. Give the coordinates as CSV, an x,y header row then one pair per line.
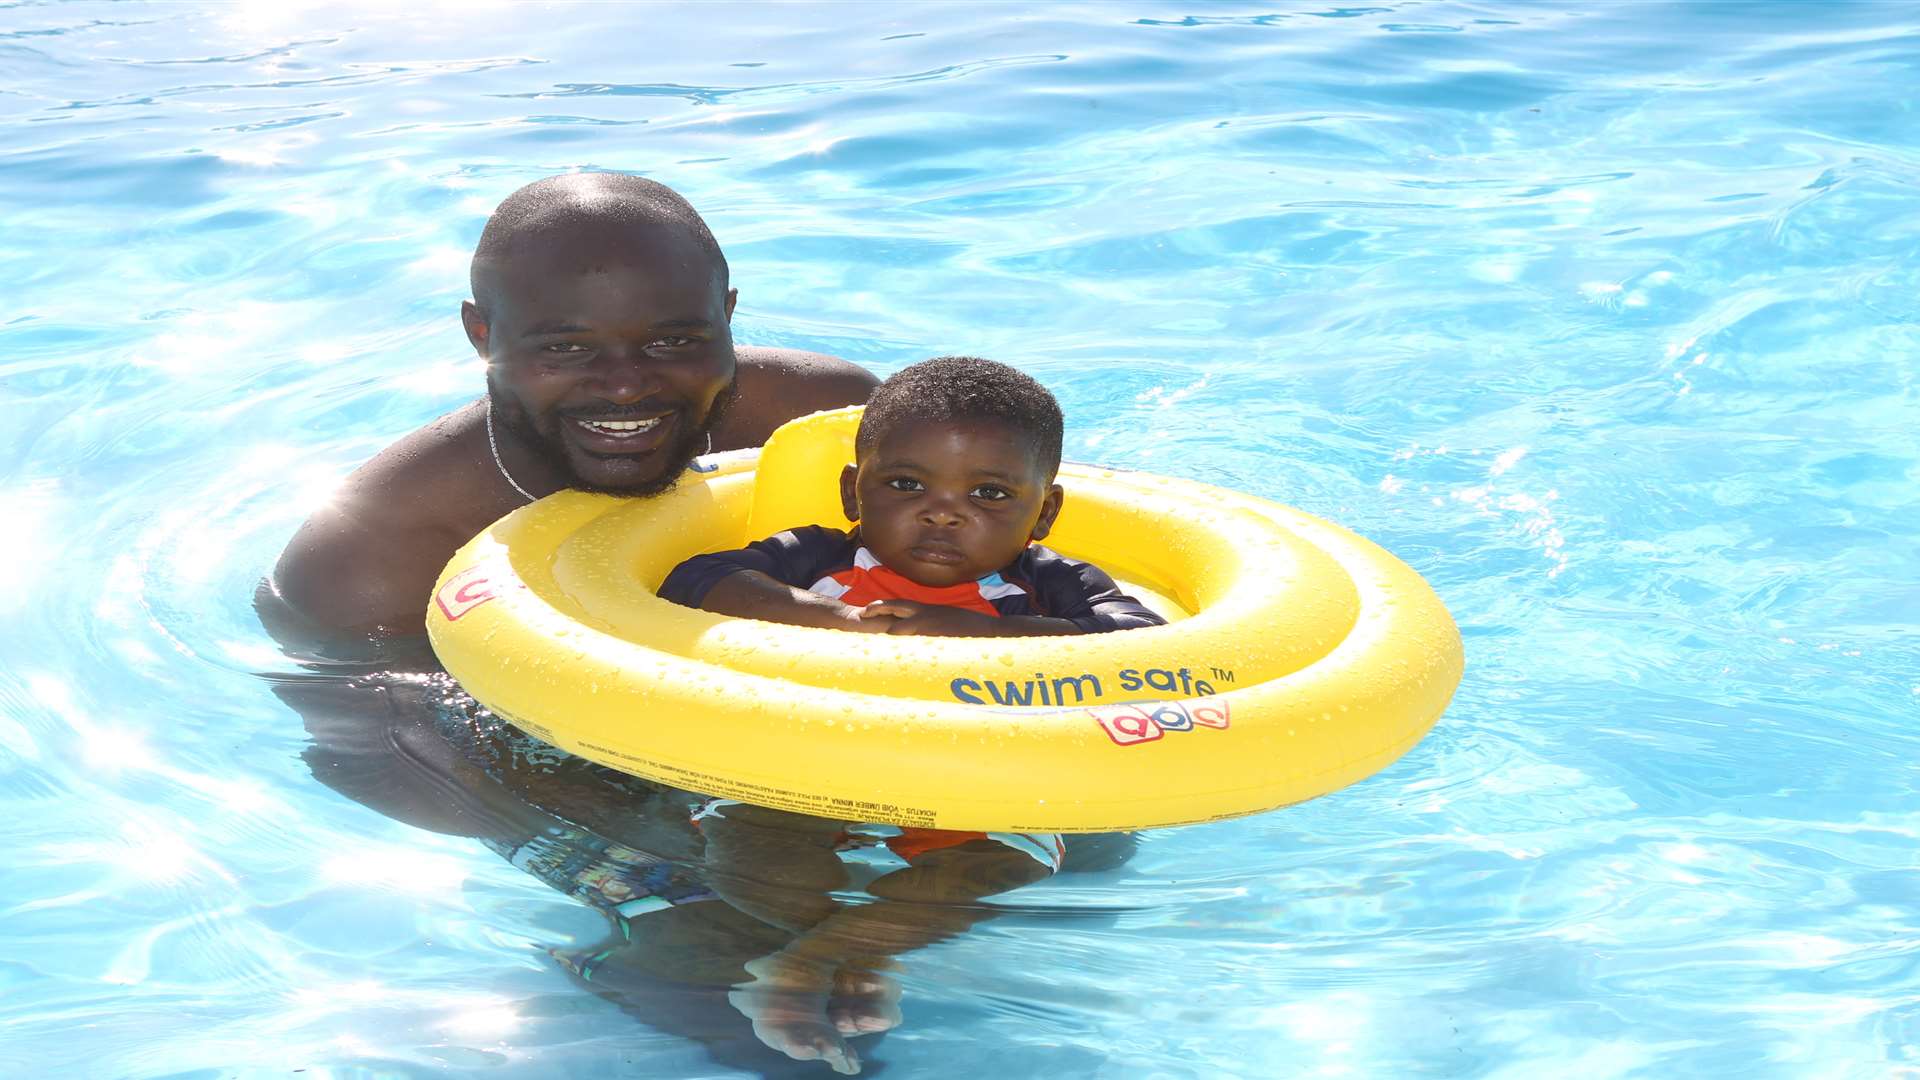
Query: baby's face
x,y
948,503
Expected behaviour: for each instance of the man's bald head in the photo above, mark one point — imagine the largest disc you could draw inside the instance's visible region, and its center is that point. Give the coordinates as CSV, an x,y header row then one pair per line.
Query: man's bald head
x,y
582,209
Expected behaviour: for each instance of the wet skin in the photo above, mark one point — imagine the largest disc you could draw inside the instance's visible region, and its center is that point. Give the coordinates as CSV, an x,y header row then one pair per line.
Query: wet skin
x,y
637,344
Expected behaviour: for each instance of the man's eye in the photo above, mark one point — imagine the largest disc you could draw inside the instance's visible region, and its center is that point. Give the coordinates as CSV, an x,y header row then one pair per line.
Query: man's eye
x,y
563,348
902,483
991,493
675,342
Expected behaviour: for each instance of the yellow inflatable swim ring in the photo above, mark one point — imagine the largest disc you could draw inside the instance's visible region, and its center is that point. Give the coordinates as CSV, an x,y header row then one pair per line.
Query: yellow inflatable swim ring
x,y
1298,658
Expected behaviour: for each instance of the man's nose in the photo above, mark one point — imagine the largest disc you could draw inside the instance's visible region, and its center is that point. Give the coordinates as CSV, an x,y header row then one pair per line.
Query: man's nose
x,y
624,376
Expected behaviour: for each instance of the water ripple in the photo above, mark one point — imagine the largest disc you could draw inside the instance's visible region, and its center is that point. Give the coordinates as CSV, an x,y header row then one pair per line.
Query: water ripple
x,y
1599,316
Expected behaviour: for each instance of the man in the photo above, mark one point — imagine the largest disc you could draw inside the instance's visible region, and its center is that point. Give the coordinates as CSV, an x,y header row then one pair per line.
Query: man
x,y
601,306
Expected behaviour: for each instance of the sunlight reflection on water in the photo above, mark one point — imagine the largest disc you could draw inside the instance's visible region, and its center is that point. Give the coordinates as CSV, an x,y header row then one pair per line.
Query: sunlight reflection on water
x,y
1596,315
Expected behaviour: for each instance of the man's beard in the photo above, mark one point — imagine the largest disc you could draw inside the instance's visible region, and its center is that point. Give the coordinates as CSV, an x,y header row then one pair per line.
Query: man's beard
x,y
692,441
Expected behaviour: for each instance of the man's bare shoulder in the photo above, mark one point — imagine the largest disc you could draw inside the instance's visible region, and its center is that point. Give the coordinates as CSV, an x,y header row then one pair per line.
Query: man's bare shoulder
x,y
777,385
366,560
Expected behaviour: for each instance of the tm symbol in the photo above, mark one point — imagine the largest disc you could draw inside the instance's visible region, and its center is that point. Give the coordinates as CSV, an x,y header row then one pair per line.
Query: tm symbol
x,y
1223,674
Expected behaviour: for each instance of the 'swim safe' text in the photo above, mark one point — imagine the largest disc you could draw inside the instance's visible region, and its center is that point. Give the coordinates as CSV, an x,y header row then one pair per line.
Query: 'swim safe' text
x,y
1064,690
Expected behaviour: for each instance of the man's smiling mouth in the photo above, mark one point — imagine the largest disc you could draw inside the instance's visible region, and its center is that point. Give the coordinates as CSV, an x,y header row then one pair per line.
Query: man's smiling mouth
x,y
620,428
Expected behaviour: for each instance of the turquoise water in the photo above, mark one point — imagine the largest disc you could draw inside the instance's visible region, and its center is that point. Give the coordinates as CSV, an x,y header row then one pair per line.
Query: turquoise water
x,y
1602,316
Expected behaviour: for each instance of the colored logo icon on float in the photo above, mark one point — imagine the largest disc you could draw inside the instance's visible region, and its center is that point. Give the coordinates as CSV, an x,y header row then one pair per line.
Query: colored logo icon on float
x,y
1146,721
465,591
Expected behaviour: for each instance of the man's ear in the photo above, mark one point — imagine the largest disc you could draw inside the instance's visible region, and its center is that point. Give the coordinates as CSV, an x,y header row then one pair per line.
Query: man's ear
x,y
476,324
733,297
1049,509
849,480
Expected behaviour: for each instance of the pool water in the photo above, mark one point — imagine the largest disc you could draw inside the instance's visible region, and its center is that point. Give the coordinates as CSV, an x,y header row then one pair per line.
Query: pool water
x,y
1602,316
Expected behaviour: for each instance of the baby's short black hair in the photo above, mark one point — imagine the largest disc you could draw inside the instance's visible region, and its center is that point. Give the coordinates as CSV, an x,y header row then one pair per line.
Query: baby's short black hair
x,y
949,388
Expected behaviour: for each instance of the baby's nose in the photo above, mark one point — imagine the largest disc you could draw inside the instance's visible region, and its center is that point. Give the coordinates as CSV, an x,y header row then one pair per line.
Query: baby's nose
x,y
939,514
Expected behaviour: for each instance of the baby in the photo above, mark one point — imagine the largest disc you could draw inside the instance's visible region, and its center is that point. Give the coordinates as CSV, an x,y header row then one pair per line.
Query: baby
x,y
954,480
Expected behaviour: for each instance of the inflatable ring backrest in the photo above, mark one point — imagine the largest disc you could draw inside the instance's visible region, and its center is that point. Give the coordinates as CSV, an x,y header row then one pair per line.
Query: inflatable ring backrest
x,y
1239,574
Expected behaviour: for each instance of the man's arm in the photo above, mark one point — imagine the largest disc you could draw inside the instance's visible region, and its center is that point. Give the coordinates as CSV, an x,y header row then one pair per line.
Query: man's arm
x,y
364,563
356,571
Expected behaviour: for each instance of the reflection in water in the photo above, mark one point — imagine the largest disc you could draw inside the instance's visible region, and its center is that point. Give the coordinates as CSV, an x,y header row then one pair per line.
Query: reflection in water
x,y
413,747
1349,252
403,739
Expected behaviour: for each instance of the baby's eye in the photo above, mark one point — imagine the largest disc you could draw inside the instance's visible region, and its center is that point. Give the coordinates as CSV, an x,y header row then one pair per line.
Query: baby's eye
x,y
904,483
990,493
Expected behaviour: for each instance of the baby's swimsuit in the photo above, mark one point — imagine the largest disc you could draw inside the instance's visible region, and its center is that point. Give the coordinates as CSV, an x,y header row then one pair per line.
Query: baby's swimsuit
x,y
833,563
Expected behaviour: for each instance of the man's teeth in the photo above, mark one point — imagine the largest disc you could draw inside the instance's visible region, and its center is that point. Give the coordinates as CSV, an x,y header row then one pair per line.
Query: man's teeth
x,y
619,427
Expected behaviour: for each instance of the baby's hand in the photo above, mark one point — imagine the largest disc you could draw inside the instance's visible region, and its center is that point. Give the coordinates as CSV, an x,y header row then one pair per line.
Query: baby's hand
x,y
866,620
930,620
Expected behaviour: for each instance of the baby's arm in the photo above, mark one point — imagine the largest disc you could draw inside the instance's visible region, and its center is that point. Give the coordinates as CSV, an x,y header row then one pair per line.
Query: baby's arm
x,y
1079,598
756,582
1082,595
931,620
751,594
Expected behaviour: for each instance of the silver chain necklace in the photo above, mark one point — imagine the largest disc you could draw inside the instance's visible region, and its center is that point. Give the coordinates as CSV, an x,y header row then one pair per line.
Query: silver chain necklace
x,y
497,463
494,446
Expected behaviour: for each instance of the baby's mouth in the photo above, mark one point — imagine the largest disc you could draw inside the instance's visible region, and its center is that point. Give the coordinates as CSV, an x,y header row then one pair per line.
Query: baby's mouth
x,y
939,554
